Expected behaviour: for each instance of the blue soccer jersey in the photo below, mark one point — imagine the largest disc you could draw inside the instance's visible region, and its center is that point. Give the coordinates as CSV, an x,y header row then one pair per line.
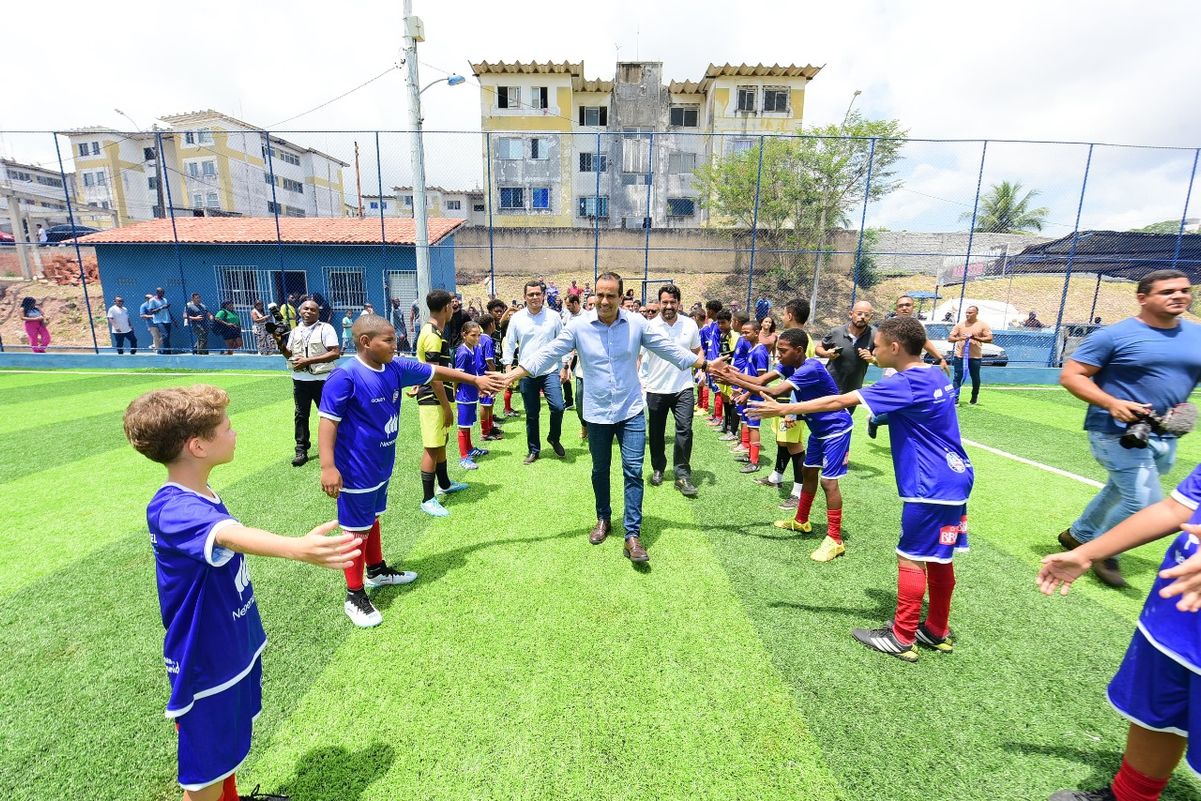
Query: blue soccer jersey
x,y
214,635
469,360
710,340
757,363
487,349
811,381
927,454
365,403
738,357
1176,633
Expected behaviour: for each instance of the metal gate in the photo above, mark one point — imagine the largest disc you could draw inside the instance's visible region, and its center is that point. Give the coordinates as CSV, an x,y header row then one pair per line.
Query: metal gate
x,y
404,312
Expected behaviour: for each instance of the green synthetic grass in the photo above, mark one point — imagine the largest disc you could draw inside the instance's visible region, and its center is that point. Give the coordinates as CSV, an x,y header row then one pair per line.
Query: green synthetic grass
x,y
525,663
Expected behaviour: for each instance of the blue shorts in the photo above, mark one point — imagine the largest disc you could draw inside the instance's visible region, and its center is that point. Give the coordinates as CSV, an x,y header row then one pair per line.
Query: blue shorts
x,y
932,532
1154,691
485,400
357,509
214,735
832,454
740,410
467,414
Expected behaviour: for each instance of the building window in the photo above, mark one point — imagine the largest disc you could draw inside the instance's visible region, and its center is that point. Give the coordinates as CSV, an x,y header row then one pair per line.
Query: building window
x,y
147,154
189,138
87,179
293,186
588,206
48,181
681,207
540,97
104,204
454,205
478,207
594,116
540,198
292,211
741,146
198,201
345,287
631,73
101,178
635,152
684,116
681,163
408,200
268,179
373,205
18,175
746,99
594,162
508,97
211,200
208,169
83,148
538,148
510,148
775,99
152,183
512,198
95,148
282,155
384,205
204,136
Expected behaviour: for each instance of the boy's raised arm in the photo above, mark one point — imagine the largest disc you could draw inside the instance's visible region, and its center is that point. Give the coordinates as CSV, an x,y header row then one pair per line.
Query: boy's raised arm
x,y
316,547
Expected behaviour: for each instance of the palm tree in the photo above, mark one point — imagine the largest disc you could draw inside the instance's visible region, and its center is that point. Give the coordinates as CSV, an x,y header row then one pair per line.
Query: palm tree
x,y
1002,212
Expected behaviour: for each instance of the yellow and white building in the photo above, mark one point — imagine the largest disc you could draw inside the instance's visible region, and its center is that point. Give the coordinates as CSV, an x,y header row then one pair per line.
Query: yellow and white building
x,y
564,151
214,164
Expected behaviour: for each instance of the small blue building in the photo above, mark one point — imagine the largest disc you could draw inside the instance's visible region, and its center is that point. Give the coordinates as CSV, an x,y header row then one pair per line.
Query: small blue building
x,y
348,261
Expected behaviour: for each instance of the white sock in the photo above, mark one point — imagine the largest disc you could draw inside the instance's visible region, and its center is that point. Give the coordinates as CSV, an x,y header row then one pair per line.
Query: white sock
x,y
775,477
796,489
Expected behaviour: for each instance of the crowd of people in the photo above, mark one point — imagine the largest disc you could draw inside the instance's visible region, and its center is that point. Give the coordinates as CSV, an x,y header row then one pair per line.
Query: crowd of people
x,y
626,369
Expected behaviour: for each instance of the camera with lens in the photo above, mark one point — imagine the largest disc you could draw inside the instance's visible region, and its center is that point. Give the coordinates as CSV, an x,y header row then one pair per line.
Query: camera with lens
x,y
1175,422
277,326
835,351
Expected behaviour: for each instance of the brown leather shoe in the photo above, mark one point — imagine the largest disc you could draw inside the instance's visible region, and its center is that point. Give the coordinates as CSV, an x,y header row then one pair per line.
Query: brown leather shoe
x,y
1109,573
1067,541
599,532
634,550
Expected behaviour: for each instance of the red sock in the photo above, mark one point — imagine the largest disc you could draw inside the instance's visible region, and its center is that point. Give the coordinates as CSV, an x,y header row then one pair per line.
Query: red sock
x,y
1130,785
509,401
941,580
372,553
754,453
487,424
746,436
834,524
229,789
718,405
354,573
464,443
702,397
803,506
911,586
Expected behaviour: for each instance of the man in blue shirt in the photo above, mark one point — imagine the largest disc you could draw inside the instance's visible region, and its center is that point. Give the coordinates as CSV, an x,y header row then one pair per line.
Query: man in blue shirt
x,y
160,318
1147,363
608,343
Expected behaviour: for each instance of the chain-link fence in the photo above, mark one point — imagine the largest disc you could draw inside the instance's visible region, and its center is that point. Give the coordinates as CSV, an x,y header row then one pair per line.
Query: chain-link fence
x,y
1045,239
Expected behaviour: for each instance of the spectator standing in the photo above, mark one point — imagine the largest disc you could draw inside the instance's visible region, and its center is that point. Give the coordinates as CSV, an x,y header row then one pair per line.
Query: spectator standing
x,y
197,315
1147,363
311,350
43,237
120,326
229,324
258,323
768,334
454,327
1032,321
967,338
849,348
146,313
347,322
288,310
396,316
572,308
669,389
160,311
35,325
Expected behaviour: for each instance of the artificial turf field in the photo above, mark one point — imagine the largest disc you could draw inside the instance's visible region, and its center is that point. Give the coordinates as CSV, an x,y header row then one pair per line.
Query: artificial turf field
x,y
525,663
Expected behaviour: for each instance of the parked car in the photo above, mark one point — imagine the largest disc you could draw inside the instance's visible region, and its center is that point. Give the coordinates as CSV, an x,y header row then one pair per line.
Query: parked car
x,y
990,355
6,239
64,233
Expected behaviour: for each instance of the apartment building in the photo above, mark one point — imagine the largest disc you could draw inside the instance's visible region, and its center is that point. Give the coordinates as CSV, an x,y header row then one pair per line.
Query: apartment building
x,y
212,164
568,151
39,191
454,204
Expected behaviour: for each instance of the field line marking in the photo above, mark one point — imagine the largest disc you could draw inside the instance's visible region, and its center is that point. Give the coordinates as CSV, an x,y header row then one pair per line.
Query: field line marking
x,y
1021,459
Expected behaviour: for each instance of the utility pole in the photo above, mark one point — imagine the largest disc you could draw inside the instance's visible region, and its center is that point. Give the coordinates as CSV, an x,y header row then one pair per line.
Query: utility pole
x,y
158,181
358,178
414,32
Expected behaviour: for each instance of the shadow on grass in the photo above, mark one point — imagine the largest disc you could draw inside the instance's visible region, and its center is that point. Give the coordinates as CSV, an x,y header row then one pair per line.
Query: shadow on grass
x,y
884,605
1102,762
331,773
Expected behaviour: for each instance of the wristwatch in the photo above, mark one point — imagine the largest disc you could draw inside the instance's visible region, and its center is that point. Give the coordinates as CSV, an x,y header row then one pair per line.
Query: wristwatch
x,y
704,365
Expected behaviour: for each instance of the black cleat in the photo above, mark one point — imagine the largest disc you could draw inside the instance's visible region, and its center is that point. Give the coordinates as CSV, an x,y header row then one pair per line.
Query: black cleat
x,y
886,642
686,487
300,459
656,478
872,428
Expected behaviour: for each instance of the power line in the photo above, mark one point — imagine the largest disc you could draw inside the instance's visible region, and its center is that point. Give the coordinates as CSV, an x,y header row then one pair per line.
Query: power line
x,y
339,97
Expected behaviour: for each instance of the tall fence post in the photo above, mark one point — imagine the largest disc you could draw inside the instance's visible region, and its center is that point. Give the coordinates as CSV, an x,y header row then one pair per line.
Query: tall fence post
x,y
1092,312
158,152
750,273
867,189
83,278
971,233
1067,275
596,212
491,243
279,241
383,232
1188,195
650,213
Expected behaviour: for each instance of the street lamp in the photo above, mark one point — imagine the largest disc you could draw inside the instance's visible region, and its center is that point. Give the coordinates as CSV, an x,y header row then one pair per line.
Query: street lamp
x,y
414,32
847,116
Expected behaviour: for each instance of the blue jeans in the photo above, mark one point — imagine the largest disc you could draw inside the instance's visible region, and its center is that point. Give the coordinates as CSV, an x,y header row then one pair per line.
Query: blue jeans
x,y
165,333
631,438
1133,481
973,368
529,388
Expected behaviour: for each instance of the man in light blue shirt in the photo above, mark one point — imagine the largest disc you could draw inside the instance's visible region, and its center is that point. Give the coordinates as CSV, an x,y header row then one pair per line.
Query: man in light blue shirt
x,y
1147,363
160,318
530,330
608,343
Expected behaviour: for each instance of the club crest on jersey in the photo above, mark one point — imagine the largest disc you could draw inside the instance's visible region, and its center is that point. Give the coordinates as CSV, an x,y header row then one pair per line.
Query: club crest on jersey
x,y
395,395
955,463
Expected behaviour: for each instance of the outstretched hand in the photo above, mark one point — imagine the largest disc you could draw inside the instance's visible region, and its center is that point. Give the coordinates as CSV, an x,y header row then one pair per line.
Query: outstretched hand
x,y
320,549
768,407
1059,570
493,382
1187,577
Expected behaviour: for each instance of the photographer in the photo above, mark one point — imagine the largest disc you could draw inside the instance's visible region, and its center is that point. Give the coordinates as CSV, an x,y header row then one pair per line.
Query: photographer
x,y
1144,365
311,349
849,349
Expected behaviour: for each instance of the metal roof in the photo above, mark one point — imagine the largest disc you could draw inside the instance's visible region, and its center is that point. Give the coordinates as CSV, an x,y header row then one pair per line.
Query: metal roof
x,y
1118,254
262,231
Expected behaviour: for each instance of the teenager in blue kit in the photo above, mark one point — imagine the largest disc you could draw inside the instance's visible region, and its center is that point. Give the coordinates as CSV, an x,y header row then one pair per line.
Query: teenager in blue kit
x,y
934,479
214,636
757,363
469,358
487,349
1158,685
360,421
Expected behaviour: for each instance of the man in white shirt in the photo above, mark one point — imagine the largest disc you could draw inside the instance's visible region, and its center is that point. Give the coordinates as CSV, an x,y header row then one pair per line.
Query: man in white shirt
x,y
530,330
311,350
571,309
671,389
122,329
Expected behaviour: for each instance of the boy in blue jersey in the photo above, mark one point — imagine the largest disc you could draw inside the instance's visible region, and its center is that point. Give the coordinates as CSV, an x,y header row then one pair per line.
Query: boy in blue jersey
x,y
758,360
709,346
469,358
934,479
487,347
827,457
739,350
214,635
360,420
1158,685
724,406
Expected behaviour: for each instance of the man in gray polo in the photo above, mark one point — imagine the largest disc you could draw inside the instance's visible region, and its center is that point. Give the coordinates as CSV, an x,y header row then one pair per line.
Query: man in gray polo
x,y
849,349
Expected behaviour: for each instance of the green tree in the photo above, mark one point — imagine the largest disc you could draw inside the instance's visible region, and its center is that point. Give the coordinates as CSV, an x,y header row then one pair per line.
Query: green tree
x,y
810,183
1165,227
1004,210
866,274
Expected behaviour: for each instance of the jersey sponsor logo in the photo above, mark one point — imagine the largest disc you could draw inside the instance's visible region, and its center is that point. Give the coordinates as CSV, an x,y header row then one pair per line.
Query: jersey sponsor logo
x,y
242,577
937,394
172,666
379,400
948,535
955,463
241,611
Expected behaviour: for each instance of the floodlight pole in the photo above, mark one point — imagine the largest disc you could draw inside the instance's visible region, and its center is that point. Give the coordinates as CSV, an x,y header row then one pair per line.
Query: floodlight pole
x,y
414,32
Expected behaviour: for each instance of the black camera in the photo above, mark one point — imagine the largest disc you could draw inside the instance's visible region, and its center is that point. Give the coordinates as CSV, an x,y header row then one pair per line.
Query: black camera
x,y
1176,422
277,326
